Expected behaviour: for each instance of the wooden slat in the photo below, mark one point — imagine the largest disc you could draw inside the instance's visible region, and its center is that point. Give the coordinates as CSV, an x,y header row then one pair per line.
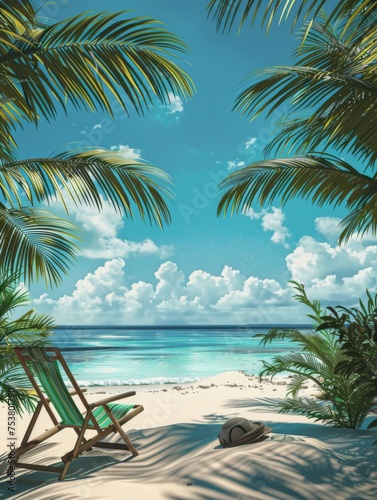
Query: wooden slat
x,y
110,446
47,468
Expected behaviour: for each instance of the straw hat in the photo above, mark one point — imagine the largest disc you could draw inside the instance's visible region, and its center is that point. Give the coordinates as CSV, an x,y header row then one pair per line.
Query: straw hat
x,y
238,430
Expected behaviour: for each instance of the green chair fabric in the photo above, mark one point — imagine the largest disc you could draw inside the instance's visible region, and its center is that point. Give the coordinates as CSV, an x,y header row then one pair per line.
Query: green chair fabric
x,y
50,378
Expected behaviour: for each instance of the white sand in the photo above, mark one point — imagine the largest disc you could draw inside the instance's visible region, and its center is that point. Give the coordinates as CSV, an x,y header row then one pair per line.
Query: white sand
x,y
180,456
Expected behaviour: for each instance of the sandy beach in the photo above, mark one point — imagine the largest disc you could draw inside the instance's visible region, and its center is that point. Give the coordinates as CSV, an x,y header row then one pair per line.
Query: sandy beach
x,y
180,456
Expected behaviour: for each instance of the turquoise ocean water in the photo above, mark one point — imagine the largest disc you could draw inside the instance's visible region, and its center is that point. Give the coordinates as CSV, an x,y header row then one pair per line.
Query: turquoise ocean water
x,y
119,355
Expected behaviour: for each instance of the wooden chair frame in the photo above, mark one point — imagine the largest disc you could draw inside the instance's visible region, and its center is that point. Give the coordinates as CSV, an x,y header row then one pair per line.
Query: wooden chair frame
x,y
90,422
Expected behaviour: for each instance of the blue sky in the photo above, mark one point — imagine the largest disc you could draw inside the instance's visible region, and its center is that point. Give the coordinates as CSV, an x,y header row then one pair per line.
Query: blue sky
x,y
202,269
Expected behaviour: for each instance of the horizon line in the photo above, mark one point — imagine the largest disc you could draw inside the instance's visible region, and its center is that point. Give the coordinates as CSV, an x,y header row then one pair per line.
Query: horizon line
x,y
186,326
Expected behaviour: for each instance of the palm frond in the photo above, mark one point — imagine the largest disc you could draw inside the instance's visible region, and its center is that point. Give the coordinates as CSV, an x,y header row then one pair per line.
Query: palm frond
x,y
28,329
16,16
227,13
30,324
300,363
11,296
319,411
329,97
85,175
334,77
323,179
313,305
22,397
296,383
88,177
37,242
85,59
13,376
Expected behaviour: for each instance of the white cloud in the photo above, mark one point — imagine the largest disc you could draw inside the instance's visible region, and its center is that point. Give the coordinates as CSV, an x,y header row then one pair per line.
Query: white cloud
x,y
247,149
331,274
271,221
127,152
171,110
102,296
231,165
328,227
274,222
334,272
250,143
251,213
175,104
100,234
208,289
255,292
313,259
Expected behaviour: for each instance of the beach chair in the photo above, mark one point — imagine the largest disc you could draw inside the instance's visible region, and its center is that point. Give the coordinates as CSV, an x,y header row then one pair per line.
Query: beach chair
x,y
103,417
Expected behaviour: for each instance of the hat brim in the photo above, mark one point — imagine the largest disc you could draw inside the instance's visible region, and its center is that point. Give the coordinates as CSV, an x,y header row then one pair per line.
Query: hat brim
x,y
250,437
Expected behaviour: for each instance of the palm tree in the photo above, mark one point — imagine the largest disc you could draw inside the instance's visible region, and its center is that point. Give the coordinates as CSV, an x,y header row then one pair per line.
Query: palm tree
x,y
332,94
29,328
82,62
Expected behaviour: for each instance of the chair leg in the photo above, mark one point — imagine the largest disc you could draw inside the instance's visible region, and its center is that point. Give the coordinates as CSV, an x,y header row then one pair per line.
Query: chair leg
x,y
78,448
33,420
83,439
125,438
106,432
64,471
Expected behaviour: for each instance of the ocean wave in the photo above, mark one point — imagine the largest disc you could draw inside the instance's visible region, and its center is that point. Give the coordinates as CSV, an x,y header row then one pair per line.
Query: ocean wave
x,y
114,336
143,381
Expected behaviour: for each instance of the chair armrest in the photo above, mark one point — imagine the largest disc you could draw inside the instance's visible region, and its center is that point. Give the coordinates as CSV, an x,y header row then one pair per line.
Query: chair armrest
x,y
82,389
115,397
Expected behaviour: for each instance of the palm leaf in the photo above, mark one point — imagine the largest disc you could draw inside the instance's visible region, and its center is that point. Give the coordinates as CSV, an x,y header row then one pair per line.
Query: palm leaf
x,y
85,175
28,329
296,383
11,296
329,97
323,412
37,242
333,78
17,14
229,12
82,58
323,179
301,363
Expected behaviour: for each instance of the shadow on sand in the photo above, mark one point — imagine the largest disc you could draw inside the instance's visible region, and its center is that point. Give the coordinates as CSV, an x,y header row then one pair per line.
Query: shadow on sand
x,y
188,462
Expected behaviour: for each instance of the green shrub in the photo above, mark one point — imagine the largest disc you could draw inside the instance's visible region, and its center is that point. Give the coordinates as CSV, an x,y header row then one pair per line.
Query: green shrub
x,y
356,330
29,328
343,400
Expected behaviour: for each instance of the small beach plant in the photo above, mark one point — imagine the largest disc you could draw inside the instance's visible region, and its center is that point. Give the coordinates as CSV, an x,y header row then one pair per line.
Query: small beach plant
x,y
343,400
27,328
356,329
